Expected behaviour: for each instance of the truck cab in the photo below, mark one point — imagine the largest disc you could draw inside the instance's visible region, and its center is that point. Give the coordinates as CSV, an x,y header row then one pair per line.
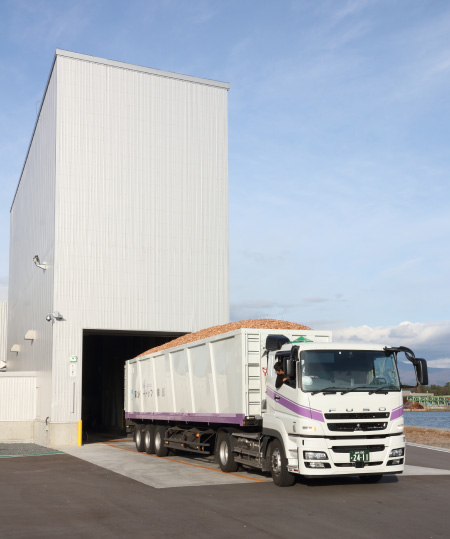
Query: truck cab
x,y
340,410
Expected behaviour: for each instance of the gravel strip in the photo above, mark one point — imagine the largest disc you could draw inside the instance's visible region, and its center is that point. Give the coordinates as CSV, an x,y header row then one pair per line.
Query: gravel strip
x,y
24,450
428,436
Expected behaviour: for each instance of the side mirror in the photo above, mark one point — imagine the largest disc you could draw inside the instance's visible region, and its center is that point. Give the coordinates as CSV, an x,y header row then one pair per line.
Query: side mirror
x,y
290,368
275,342
420,366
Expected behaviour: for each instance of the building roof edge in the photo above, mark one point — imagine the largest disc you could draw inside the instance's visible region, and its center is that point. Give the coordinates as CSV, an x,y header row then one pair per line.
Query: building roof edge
x,y
150,70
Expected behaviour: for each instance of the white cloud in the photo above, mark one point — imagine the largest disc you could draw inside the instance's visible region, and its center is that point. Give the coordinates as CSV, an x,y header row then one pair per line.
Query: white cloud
x,y
443,363
430,340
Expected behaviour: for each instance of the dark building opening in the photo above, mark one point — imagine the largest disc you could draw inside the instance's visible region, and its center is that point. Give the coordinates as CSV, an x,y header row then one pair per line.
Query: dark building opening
x,y
104,356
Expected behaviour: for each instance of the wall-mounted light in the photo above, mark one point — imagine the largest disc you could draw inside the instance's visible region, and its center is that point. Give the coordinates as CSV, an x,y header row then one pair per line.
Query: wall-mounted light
x,y
15,348
38,264
54,316
30,335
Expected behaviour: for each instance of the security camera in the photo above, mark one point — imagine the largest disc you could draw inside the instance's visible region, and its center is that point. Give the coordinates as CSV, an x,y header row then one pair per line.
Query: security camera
x,y
38,264
48,317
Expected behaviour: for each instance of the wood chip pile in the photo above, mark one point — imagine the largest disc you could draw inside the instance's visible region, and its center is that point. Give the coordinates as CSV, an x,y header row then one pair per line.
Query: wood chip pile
x,y
261,323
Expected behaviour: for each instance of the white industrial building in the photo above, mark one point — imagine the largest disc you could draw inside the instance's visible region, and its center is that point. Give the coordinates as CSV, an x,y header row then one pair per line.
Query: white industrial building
x,y
119,238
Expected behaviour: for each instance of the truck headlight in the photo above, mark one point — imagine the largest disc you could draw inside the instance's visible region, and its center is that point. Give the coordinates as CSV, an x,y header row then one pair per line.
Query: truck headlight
x,y
397,452
315,455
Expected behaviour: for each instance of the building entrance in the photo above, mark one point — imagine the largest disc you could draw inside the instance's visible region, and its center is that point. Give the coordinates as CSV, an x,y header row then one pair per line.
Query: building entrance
x,y
104,356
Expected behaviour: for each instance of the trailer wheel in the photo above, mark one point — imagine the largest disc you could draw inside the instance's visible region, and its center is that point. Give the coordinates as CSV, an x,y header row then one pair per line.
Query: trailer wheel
x,y
161,449
139,438
374,478
149,439
278,465
225,452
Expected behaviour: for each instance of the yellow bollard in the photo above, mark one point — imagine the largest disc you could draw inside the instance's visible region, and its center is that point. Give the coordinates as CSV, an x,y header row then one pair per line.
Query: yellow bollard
x,y
80,432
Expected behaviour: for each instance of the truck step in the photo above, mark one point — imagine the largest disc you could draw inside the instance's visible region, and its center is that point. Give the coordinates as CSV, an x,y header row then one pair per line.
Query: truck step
x,y
249,452
247,462
249,435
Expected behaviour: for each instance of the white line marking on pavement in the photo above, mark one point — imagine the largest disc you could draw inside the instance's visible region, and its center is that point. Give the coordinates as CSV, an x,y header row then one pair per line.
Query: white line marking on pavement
x,y
429,447
420,470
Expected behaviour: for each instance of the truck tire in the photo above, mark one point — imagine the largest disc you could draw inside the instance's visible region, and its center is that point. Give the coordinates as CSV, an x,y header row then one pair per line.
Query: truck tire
x,y
139,438
149,439
374,478
278,465
225,453
161,449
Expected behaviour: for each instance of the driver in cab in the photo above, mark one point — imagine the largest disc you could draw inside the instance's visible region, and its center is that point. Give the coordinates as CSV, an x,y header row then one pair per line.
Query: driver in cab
x,y
282,377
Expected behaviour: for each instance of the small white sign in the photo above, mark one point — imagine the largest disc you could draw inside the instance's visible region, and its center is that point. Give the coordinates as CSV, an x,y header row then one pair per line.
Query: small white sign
x,y
73,359
73,370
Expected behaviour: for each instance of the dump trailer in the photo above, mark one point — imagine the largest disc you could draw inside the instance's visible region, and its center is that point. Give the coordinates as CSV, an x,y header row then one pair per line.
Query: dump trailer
x,y
338,410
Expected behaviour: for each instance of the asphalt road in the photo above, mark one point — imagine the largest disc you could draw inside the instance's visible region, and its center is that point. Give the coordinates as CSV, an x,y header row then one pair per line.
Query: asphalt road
x,y
65,496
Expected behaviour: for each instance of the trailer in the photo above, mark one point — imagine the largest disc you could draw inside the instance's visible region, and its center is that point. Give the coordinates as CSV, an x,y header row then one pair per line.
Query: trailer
x,y
338,410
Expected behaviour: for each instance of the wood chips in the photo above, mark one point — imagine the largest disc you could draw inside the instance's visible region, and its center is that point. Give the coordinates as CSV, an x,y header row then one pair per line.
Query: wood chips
x,y
260,323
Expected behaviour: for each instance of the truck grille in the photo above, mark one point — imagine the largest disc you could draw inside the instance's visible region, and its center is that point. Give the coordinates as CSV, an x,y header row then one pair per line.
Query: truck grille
x,y
369,415
352,427
348,448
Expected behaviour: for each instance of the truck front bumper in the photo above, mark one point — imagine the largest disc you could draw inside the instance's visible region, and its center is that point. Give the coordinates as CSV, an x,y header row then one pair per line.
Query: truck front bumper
x,y
330,457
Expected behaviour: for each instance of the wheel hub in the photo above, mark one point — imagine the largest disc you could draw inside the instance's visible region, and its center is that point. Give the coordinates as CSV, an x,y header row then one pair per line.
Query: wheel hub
x,y
276,462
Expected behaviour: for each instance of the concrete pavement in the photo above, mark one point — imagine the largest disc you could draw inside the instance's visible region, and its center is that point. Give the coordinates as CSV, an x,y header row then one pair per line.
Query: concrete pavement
x,y
54,496
184,470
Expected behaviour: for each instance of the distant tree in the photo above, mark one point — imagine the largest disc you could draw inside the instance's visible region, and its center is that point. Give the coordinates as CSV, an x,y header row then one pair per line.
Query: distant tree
x,y
433,388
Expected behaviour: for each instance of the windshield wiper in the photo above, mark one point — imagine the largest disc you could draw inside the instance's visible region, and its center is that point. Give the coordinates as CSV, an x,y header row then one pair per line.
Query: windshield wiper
x,y
354,389
329,390
382,389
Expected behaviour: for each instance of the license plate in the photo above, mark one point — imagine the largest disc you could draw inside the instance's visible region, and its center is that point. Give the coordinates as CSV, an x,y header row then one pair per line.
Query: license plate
x,y
361,455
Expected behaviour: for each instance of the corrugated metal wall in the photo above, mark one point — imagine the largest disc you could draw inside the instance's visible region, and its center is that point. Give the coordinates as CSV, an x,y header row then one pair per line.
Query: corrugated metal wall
x,y
141,209
142,205
18,398
3,329
30,291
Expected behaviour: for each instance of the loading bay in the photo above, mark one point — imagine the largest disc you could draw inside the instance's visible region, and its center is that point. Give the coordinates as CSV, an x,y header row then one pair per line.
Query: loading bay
x,y
107,489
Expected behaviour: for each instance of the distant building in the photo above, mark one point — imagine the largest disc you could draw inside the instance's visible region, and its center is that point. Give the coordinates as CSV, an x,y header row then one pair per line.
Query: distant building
x,y
119,233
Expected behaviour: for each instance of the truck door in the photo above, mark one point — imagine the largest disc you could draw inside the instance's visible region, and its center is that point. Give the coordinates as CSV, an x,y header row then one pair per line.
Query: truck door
x,y
282,401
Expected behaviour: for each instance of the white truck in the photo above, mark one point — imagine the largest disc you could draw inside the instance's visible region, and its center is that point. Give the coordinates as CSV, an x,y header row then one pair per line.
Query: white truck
x,y
339,411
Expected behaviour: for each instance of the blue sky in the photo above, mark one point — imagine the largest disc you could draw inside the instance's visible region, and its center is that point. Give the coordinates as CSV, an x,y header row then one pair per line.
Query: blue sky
x,y
339,157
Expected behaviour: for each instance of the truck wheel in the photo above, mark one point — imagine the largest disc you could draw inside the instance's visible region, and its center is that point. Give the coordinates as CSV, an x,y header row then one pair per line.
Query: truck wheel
x,y
225,452
161,449
374,478
139,438
278,465
149,439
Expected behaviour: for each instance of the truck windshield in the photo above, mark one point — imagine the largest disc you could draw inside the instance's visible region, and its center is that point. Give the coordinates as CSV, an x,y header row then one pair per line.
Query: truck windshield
x,y
343,370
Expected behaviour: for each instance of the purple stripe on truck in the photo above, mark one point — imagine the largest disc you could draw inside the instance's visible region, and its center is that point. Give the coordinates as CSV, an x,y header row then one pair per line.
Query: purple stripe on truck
x,y
200,418
397,412
303,411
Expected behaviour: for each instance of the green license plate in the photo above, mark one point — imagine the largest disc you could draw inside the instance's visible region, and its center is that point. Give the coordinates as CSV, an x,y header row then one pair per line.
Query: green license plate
x,y
362,455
